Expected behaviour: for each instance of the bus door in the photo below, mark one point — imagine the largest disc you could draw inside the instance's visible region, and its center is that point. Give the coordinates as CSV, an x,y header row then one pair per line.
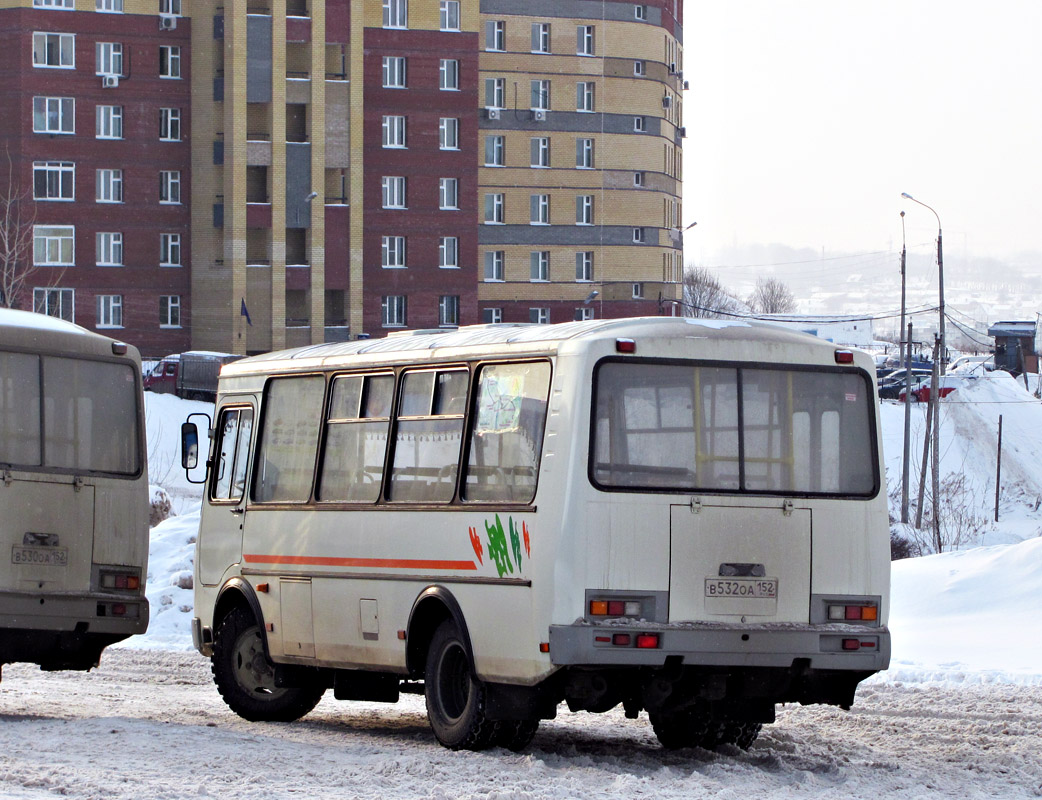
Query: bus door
x,y
220,543
739,564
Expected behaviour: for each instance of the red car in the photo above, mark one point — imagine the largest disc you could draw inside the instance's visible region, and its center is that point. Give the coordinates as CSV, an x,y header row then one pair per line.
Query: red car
x,y
921,390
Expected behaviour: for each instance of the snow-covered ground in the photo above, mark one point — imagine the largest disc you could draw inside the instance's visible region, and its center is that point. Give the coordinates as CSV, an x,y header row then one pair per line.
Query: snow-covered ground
x,y
959,714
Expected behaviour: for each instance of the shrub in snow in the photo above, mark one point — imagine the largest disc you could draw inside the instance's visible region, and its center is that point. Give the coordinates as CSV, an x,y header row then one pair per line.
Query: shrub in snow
x,y
160,506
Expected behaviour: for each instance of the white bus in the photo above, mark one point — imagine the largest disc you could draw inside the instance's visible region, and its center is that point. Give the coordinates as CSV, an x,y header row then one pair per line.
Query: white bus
x,y
73,493
680,516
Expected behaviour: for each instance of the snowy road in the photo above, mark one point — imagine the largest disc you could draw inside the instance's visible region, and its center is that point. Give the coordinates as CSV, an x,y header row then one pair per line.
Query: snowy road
x,y
149,724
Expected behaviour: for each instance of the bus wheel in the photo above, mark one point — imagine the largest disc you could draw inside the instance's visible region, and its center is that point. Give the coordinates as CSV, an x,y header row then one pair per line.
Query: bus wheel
x,y
514,734
679,729
246,678
741,734
455,698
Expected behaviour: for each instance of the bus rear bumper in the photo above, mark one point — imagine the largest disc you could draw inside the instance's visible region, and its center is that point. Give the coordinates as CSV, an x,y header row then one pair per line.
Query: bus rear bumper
x,y
820,647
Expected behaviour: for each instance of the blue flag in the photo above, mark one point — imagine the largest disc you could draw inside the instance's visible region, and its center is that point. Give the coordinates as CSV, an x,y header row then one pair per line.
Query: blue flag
x,y
243,312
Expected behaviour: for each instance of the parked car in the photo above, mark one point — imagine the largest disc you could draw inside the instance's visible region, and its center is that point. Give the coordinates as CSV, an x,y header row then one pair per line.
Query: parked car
x,y
891,385
921,388
191,375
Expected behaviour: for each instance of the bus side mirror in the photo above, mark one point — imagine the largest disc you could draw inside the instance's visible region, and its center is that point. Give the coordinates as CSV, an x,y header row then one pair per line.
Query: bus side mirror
x,y
189,446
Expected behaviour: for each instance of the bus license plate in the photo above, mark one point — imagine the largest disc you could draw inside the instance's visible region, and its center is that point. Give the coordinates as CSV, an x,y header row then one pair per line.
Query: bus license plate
x,y
40,556
742,587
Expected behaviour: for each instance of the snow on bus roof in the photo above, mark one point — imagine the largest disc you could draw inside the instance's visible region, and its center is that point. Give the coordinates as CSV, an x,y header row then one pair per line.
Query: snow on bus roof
x,y
508,334
29,319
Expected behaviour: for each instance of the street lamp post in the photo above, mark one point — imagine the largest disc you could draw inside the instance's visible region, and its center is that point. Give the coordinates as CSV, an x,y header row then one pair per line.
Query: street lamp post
x,y
940,275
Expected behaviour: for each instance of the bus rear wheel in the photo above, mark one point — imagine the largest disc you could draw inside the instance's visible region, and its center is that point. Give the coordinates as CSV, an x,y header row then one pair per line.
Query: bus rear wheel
x,y
246,678
679,729
455,697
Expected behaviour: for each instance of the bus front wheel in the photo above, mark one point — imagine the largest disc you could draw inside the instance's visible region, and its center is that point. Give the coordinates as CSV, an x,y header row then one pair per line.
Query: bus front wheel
x,y
455,697
246,678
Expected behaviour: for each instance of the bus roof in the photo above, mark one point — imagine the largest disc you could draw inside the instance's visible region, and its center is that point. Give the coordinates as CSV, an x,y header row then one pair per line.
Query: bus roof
x,y
26,329
410,345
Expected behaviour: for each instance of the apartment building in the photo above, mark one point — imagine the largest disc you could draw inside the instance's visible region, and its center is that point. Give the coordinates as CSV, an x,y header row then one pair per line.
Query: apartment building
x,y
95,135
355,167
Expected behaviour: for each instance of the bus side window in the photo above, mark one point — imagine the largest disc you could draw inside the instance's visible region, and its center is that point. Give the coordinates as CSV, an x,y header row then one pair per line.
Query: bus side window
x,y
233,451
507,435
289,439
356,439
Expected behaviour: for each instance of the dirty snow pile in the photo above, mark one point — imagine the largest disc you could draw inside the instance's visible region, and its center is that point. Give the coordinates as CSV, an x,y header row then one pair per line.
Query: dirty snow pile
x,y
956,618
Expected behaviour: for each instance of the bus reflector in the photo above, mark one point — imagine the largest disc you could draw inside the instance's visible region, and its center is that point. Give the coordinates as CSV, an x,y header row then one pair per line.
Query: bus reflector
x,y
851,644
647,640
544,647
625,346
844,357
119,610
621,639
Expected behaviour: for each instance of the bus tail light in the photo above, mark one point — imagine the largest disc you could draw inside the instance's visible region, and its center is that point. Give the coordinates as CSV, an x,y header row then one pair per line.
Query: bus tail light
x,y
844,357
853,613
120,581
625,346
647,640
615,608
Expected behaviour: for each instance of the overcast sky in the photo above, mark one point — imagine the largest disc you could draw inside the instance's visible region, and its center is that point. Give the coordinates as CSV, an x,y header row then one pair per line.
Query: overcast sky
x,y
806,120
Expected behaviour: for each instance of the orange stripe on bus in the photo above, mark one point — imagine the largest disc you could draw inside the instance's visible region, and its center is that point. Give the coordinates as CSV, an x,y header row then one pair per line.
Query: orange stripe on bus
x,y
385,563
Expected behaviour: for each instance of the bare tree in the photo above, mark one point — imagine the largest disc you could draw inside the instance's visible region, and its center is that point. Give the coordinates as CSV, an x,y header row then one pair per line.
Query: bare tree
x,y
771,296
17,217
704,296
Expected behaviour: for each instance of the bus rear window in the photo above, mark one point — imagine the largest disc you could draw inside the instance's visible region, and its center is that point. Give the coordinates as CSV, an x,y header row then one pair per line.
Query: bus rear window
x,y
669,427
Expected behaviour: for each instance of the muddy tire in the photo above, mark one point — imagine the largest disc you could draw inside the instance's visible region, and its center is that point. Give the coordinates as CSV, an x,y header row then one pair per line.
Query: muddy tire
x,y
246,678
455,697
515,735
679,729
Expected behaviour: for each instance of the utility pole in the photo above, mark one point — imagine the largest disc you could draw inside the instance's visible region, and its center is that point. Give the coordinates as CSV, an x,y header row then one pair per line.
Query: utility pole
x,y
935,403
906,465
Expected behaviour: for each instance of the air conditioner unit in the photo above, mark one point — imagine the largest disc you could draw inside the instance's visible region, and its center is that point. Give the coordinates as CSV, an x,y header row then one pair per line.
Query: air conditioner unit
x,y
167,22
109,81
683,133
687,85
491,112
667,101
539,114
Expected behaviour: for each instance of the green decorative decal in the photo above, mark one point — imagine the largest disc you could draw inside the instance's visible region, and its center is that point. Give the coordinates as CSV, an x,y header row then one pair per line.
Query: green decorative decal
x,y
515,542
497,547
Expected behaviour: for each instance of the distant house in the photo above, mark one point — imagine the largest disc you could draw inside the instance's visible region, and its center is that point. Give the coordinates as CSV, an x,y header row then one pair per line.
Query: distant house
x,y
854,331
1015,349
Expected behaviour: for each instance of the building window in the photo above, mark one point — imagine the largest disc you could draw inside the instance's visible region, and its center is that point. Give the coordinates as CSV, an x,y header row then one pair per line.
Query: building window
x,y
108,122
584,96
53,245
60,303
494,260
584,40
108,249
394,72
110,310
393,190
448,252
170,311
111,6
584,265
584,209
108,58
494,205
540,316
539,206
448,194
66,4
448,75
584,153
393,311
169,249
449,15
495,151
170,7
170,124
539,266
396,13
54,50
495,92
392,252
169,61
540,151
394,131
638,178
448,310
54,115
638,234
108,186
638,68
540,37
170,186
638,291
583,313
491,316
638,124
640,12
540,95
496,35
54,180
448,133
